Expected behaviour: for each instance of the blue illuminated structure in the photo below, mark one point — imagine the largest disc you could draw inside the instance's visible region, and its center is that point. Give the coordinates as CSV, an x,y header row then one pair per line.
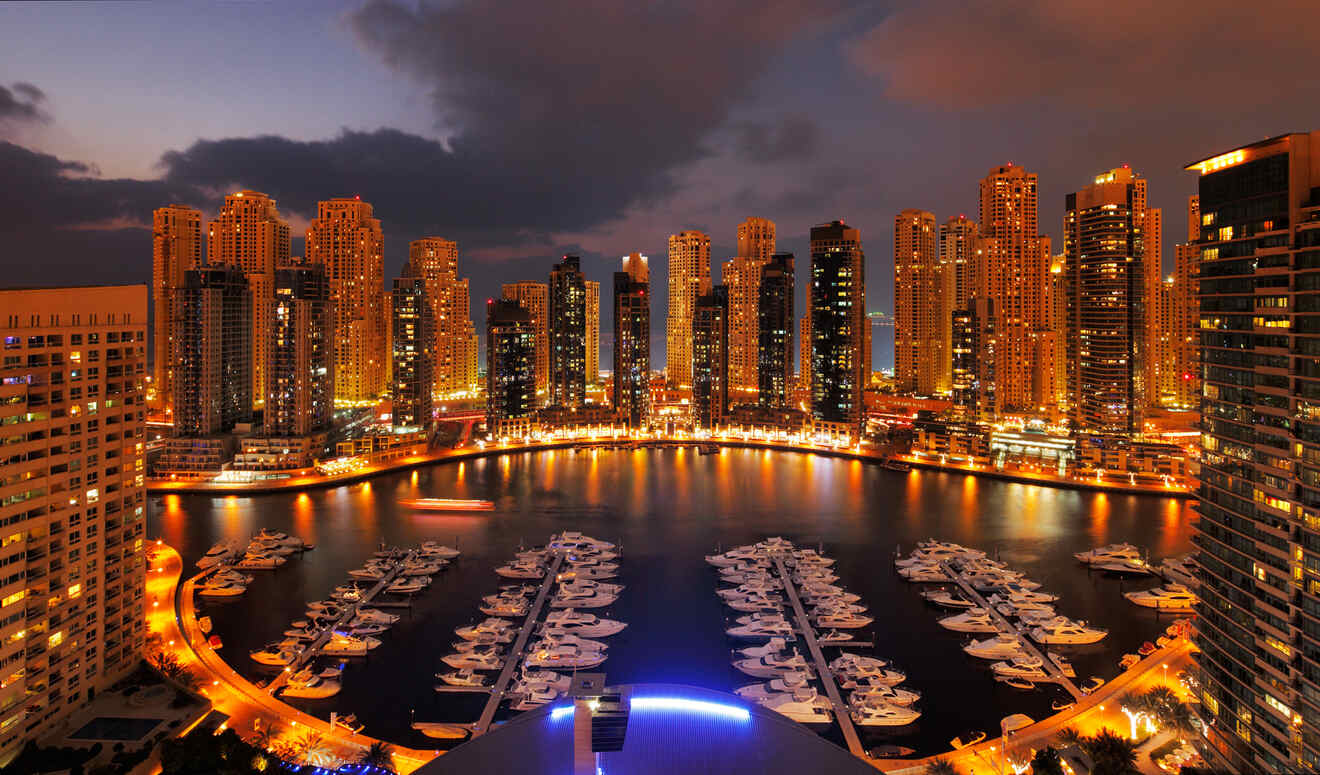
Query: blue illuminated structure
x,y
672,705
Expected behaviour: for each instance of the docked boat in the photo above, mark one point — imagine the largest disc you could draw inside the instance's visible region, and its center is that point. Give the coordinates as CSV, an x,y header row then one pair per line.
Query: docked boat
x,y
344,645
221,589
1067,632
925,574
273,656
521,570
374,616
463,678
1015,682
587,625
870,678
369,572
883,714
789,682
441,731
947,599
550,639
755,603
409,586
761,626
1021,667
564,658
842,621
531,695
593,600
732,557
439,551
1124,567
1179,570
804,706
772,646
837,638
850,662
219,554
772,665
890,694
473,660
549,677
999,647
499,629
1109,553
512,608
259,561
310,686
973,620
742,590
1172,597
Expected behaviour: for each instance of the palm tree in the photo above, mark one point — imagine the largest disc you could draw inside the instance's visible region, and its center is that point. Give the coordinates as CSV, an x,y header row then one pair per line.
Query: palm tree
x,y
263,737
379,754
1070,736
1112,753
940,767
311,748
1046,762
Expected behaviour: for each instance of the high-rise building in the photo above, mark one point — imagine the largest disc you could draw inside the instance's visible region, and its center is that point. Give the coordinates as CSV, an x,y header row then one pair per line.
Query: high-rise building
x,y
710,358
1259,507
919,350
957,258
1156,362
838,325
632,341
300,377
775,332
1186,379
213,376
1012,271
963,353
742,275
1106,255
455,349
568,333
249,234
804,349
689,277
593,332
510,362
346,239
176,247
413,337
72,403
535,298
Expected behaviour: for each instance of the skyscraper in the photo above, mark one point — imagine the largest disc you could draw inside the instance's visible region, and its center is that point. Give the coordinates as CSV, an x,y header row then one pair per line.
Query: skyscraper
x,y
742,275
510,363
413,337
249,234
176,247
346,239
1156,361
689,277
300,386
568,333
1259,507
74,507
775,332
593,332
804,349
535,298
963,354
1012,271
1186,319
838,325
710,358
1106,255
213,376
919,350
632,341
957,257
454,350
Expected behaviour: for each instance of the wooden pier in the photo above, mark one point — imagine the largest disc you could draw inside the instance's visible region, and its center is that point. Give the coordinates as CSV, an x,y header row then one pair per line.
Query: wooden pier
x,y
1054,671
841,713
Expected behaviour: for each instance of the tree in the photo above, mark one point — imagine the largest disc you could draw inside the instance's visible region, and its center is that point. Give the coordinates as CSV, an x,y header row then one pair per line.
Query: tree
x,y
1112,753
379,754
1070,736
168,665
311,749
941,767
1046,762
203,753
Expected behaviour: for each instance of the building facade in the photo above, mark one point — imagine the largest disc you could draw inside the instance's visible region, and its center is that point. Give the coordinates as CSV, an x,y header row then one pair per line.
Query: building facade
x,y
689,277
919,348
742,275
346,239
568,333
1258,536
710,358
593,332
73,502
454,348
213,376
632,341
300,384
1186,318
176,247
535,298
838,325
510,363
413,336
775,332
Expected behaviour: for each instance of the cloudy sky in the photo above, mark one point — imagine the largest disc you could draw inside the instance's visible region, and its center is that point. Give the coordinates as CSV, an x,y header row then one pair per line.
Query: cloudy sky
x,y
526,130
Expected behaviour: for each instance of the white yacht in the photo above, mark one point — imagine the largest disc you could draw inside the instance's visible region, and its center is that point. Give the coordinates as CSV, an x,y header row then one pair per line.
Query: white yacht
x,y
761,628
790,682
473,660
755,603
1125,567
732,557
1179,570
408,586
273,656
550,639
973,620
1067,632
883,714
439,551
374,616
477,646
587,573
1173,597
890,694
531,695
587,625
259,561
216,555
947,599
564,658
848,660
1021,667
521,570
772,646
804,706
1110,553
500,629
999,647
870,678
515,609
370,572
552,679
344,645
925,574
592,600
772,665
221,589
310,686
842,621
742,590
466,677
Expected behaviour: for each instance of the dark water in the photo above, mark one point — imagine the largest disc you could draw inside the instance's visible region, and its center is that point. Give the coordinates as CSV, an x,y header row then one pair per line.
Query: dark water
x,y
667,508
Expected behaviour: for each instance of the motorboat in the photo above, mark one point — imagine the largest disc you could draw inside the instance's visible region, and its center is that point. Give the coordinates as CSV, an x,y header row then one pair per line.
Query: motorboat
x,y
473,660
587,625
1037,617
883,714
1172,597
347,593
1075,633
374,616
814,577
275,536
407,586
500,629
310,686
273,655
1179,570
1002,646
762,626
332,672
772,665
439,551
258,561
564,658
369,572
301,634
958,743
440,730
1010,724
1062,663
511,608
870,678
790,682
217,555
819,607
801,557
772,646
1021,596
848,661
416,567
890,694
221,589
746,577
521,570
836,638
554,640
344,645
1109,553
572,540
947,599
732,557
471,646
973,620
1015,681
594,600
742,590
1124,567
531,695
842,621
755,603
925,574
1021,667
587,573
804,706
466,677
554,680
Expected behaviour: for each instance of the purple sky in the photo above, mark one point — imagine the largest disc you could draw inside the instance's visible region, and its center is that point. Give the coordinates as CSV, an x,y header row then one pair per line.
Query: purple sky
x,y
529,129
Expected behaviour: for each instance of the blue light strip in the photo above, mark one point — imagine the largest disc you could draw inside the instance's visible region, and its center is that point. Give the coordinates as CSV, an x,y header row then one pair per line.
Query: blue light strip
x,y
672,704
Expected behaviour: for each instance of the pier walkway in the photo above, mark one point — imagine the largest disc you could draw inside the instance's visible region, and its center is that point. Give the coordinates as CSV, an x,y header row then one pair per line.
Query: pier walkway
x,y
822,666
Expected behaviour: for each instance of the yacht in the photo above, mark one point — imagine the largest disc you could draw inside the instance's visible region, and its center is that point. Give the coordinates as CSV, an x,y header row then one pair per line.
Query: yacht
x,y
1067,633
564,658
775,545
810,557
772,665
572,540
870,678
344,645
790,682
1021,596
477,646
1124,567
732,557
925,574
746,577
768,627
999,647
370,572
367,629
347,593
849,661
587,588
554,680
422,567
1179,570
947,599
890,694
217,555
439,551
1036,617
467,677
550,639
756,603
408,586
374,616
804,706
275,536
1173,597
310,686
1109,553
772,646
587,625
259,561
592,600
883,714
221,589
473,660
273,656
531,695
1021,667
521,570
814,576
500,629
836,638
842,620
586,573
742,590
512,608
973,620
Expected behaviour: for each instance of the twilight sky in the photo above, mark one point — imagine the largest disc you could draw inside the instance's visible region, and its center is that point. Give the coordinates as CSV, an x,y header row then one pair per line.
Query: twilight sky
x,y
528,129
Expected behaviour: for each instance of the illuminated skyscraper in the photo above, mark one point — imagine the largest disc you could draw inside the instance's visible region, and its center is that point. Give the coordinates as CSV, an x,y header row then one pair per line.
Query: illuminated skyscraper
x,y
919,351
346,239
412,340
455,349
535,298
958,257
710,358
1156,362
213,376
249,234
72,399
775,332
1186,318
1258,530
568,333
510,362
742,275
176,247
632,341
593,332
300,383
689,277
1106,255
756,238
804,349
838,325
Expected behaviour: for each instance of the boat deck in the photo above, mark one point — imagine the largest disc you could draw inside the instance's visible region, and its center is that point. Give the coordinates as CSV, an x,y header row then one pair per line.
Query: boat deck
x,y
822,665
1055,673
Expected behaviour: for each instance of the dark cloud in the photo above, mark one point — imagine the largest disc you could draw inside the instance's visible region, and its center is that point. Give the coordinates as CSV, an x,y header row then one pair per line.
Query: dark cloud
x,y
22,103
791,138
1128,53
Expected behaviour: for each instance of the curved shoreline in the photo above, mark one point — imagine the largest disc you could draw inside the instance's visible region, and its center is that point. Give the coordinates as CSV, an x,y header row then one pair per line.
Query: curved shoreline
x,y
293,484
